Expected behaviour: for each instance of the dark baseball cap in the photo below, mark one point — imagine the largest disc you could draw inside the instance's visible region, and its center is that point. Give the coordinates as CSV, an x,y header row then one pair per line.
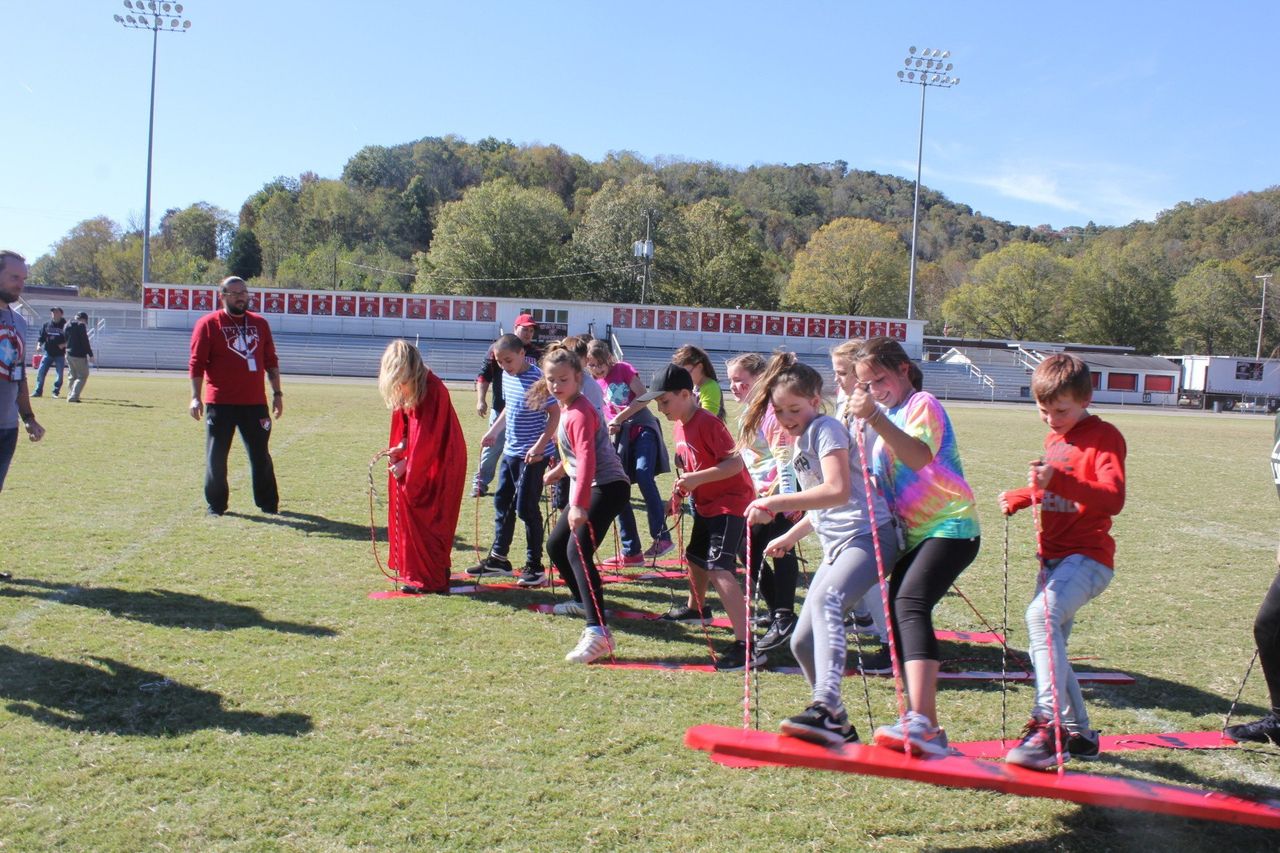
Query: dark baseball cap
x,y
82,316
673,377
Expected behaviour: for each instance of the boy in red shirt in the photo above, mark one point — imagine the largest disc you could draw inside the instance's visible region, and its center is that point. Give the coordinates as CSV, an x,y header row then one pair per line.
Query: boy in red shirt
x,y
1079,484
721,487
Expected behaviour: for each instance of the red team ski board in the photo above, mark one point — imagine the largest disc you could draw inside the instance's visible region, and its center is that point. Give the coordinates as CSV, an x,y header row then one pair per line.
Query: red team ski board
x,y
966,772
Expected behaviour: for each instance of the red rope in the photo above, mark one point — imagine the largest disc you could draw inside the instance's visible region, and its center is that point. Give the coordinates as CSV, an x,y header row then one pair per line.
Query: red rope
x,y
1037,515
373,524
884,586
746,672
698,601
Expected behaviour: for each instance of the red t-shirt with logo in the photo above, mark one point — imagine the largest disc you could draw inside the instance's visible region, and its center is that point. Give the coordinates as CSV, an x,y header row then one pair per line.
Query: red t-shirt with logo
x,y
233,354
703,443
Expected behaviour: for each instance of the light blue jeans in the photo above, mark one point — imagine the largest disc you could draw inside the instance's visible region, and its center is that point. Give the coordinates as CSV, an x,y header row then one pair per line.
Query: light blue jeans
x,y
1073,582
489,455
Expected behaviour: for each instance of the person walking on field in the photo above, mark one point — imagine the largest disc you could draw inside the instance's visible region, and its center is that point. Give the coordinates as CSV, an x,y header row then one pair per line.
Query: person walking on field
x,y
79,351
53,343
15,402
231,351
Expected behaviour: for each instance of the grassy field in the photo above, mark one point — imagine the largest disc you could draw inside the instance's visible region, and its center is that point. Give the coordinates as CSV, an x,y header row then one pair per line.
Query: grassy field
x,y
177,682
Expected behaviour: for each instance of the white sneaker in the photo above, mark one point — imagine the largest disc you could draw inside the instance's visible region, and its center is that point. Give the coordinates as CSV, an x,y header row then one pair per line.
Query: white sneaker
x,y
591,646
570,608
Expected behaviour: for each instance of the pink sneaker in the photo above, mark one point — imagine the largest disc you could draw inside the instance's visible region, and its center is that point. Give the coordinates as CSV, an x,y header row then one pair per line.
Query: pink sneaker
x,y
619,561
659,548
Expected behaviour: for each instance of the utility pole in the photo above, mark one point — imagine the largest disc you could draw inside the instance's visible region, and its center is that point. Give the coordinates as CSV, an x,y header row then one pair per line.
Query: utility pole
x,y
643,249
1262,316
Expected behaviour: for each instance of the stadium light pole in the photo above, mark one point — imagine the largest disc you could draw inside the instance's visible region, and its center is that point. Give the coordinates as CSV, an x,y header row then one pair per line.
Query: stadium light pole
x,y
926,68
157,17
1262,317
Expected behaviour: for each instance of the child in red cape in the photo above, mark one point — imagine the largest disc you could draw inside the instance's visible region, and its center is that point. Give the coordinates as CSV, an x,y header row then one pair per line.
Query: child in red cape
x,y
427,470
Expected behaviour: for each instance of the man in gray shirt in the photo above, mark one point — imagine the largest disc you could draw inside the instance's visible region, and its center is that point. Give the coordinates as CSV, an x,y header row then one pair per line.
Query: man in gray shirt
x,y
15,403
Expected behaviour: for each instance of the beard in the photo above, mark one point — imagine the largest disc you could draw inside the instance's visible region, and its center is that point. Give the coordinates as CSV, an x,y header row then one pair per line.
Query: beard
x,y
236,310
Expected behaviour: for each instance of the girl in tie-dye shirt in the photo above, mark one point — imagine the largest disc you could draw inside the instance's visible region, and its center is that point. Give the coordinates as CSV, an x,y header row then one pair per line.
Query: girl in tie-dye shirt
x,y
918,465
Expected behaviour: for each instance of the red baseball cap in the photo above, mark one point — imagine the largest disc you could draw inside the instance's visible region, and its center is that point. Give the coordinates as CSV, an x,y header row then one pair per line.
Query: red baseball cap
x,y
525,320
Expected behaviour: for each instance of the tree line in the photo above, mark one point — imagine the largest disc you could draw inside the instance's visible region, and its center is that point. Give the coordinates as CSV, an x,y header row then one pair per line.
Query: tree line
x,y
442,215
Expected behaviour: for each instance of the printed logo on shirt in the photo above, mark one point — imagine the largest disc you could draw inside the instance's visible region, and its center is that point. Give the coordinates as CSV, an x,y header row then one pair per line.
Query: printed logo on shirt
x,y
1275,463
242,339
10,355
266,424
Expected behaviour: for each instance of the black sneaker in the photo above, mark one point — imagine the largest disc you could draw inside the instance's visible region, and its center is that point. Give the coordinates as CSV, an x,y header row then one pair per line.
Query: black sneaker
x,y
685,613
1083,745
6,576
876,661
817,724
1259,731
493,566
532,576
35,394
733,657
410,589
763,620
861,624
779,633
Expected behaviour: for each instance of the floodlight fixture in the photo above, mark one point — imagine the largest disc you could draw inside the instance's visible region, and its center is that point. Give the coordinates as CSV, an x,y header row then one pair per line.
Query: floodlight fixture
x,y
154,23
932,73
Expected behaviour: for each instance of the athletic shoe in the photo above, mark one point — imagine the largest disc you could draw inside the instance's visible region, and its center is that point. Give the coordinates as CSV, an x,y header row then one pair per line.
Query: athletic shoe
x,y
37,394
763,620
876,661
659,548
685,613
914,734
784,624
818,725
478,491
493,565
570,608
6,576
410,589
620,560
1259,731
55,394
1083,745
1038,748
861,624
733,657
591,646
532,576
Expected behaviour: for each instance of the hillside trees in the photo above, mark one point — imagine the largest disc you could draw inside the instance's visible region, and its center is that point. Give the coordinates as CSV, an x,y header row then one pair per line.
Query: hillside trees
x,y
850,266
1017,292
1216,309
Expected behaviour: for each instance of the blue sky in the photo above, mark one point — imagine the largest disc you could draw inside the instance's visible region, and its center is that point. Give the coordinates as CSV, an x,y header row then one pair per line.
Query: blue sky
x,y
1065,113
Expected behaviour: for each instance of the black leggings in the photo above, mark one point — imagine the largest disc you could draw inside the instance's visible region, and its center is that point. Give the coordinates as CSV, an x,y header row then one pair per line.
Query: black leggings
x,y
1266,633
920,579
576,563
777,584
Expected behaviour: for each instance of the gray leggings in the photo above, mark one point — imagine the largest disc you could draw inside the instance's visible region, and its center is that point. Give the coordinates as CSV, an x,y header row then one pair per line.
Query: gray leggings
x,y
819,642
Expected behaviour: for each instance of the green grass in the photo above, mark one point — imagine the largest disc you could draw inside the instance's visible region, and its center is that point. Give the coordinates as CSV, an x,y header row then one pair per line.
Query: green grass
x,y
171,681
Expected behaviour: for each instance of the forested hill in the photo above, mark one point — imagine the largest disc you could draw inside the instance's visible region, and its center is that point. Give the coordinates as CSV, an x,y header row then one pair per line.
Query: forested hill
x,y
490,217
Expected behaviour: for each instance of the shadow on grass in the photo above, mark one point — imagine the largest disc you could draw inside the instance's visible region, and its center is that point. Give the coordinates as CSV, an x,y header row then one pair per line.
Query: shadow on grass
x,y
127,404
111,697
162,607
313,525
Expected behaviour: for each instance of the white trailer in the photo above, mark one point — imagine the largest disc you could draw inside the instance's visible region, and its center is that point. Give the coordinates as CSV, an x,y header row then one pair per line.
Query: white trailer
x,y
1222,382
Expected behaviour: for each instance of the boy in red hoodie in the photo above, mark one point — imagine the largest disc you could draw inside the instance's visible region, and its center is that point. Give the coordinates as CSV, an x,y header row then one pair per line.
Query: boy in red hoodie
x,y
1079,485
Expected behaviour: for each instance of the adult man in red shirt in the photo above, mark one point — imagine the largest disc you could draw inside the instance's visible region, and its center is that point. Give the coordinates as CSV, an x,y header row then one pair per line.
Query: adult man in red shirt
x,y
231,350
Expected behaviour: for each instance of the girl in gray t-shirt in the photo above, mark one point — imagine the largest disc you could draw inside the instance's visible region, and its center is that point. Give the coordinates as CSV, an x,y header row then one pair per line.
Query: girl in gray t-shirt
x,y
833,496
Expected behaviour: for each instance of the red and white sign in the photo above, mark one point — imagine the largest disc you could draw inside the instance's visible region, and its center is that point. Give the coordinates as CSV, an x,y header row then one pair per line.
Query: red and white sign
x,y
322,304
369,306
622,317
857,328
795,327
177,300
462,309
202,300
753,323
837,327
255,302
688,321
273,303
153,297
297,303
876,328
416,309
773,325
486,312
644,318
817,327
733,323
393,306
344,306
898,331
711,321
439,309
666,319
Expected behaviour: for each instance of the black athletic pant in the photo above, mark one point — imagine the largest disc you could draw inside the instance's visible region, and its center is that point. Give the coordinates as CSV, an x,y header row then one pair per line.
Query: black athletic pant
x,y
254,424
920,579
1266,633
579,570
777,584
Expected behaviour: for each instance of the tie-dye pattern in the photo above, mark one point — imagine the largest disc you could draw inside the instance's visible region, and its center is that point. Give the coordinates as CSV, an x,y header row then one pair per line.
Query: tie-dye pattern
x,y
934,502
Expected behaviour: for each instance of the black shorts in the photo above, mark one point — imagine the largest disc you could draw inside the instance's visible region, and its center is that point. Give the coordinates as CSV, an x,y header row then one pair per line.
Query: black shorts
x,y
717,542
